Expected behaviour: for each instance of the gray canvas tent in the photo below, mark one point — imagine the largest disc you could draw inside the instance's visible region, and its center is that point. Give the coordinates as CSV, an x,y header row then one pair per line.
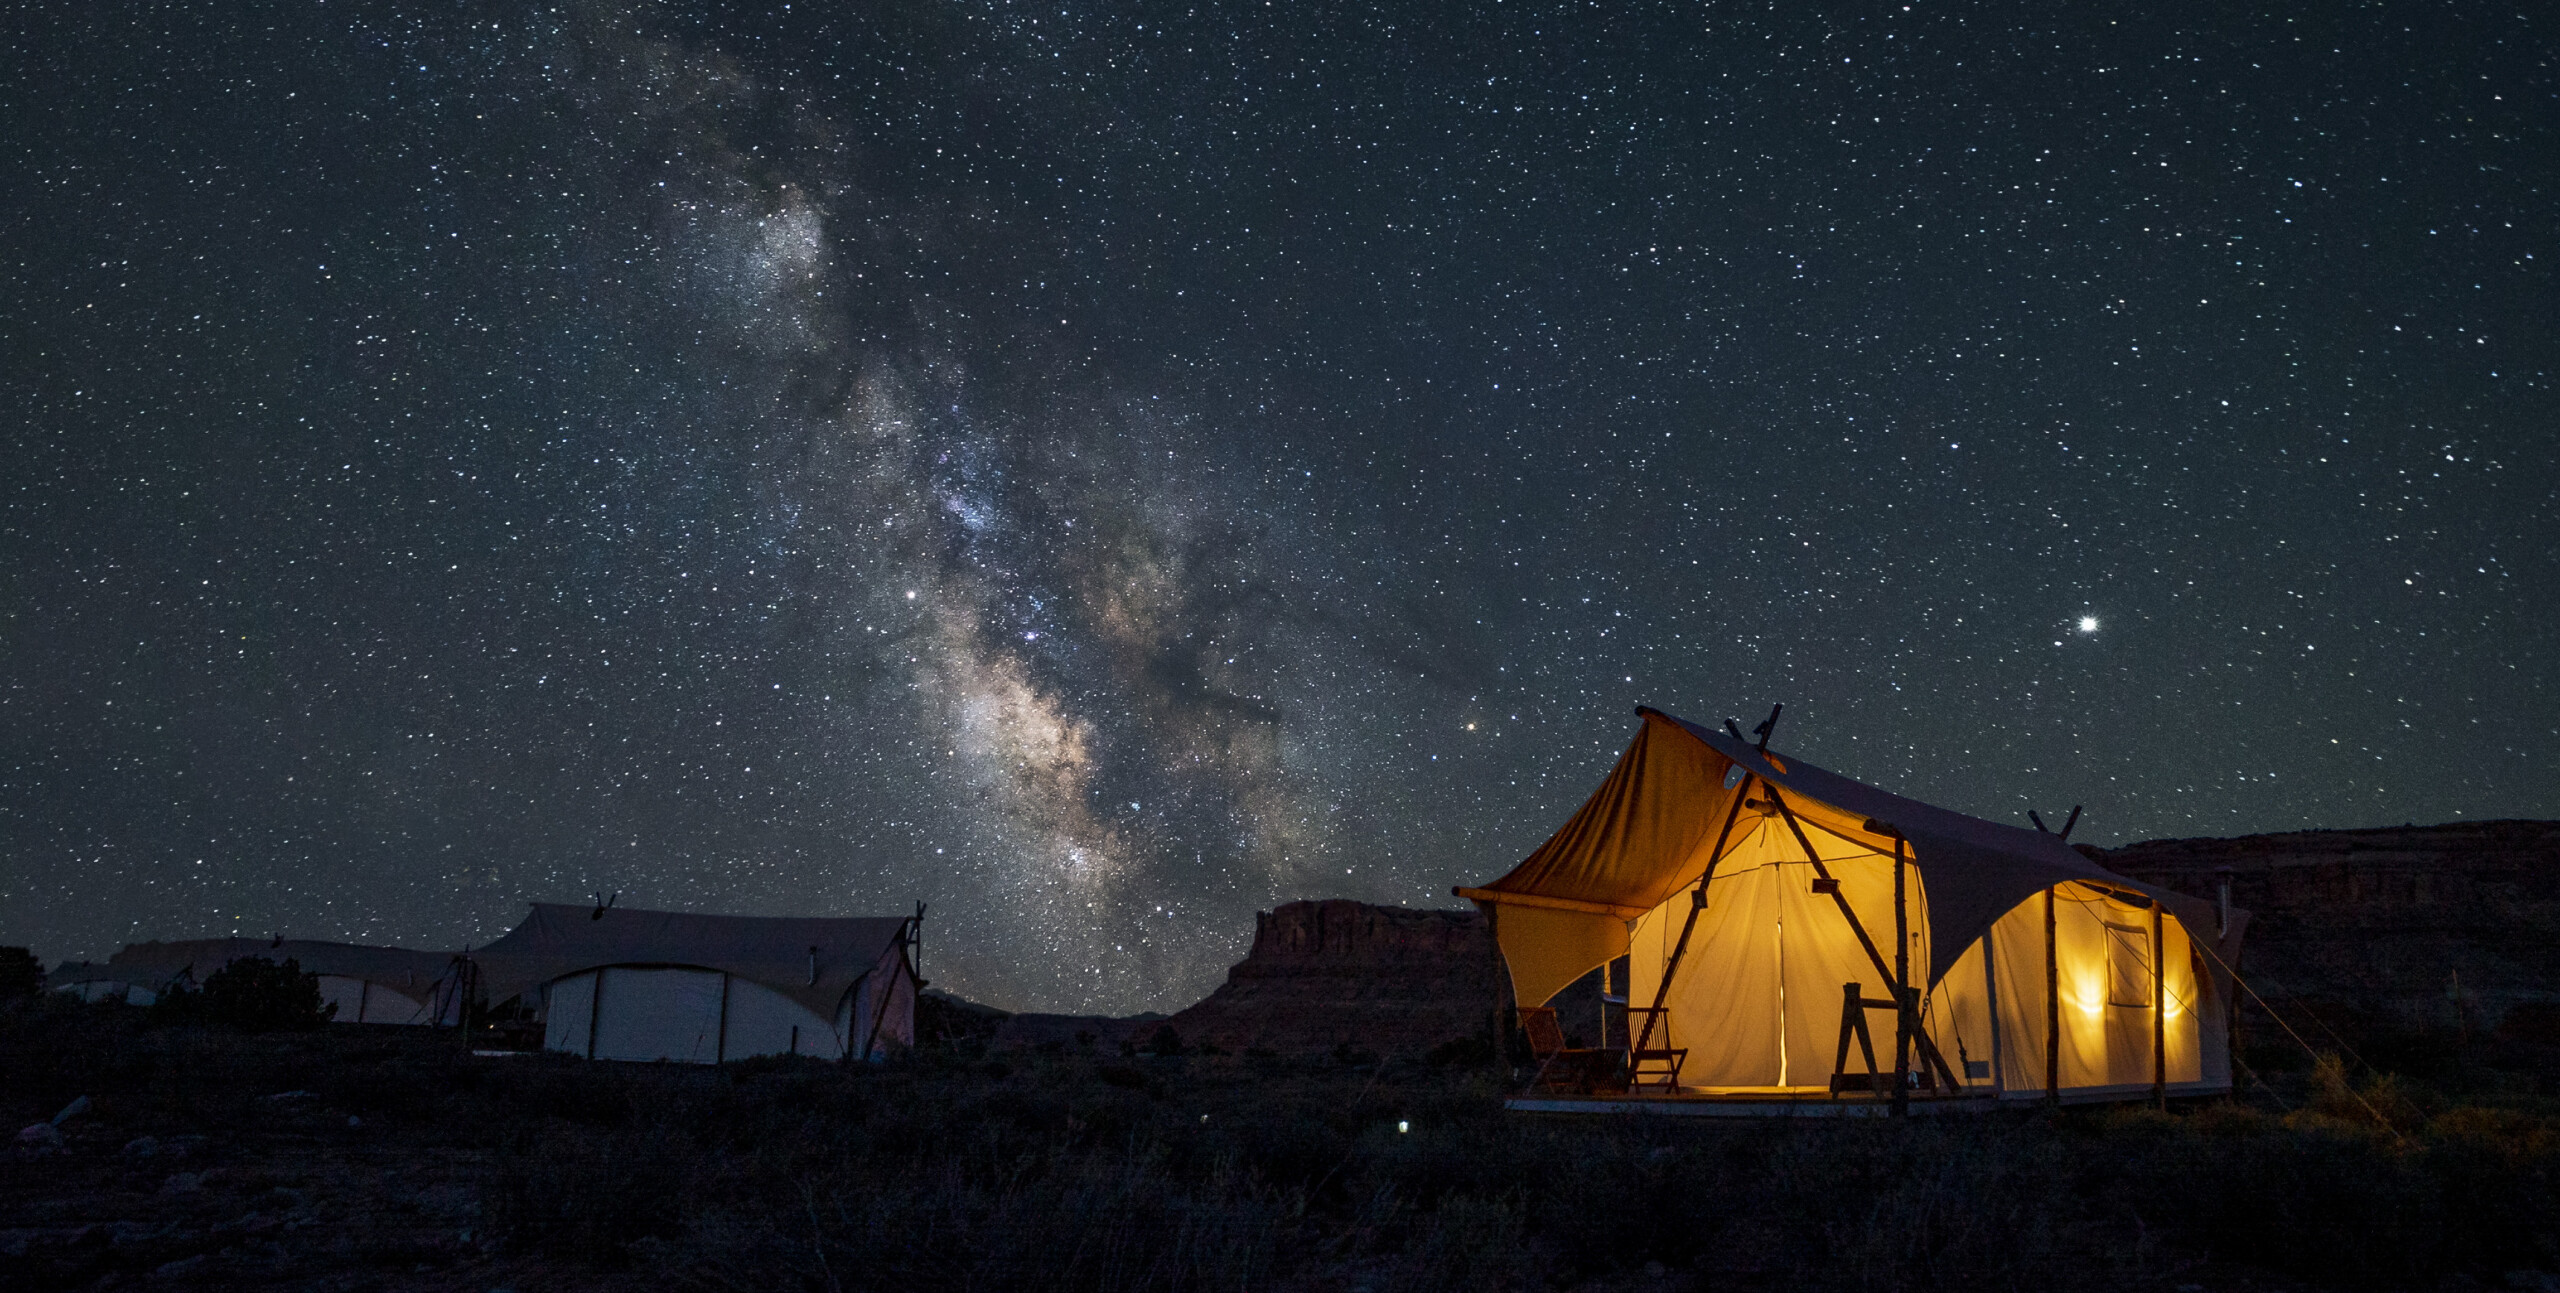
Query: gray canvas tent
x,y
623,984
372,985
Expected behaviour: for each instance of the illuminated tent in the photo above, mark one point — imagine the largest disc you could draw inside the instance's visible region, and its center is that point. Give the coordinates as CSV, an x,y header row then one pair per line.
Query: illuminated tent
x,y
620,984
372,985
1763,886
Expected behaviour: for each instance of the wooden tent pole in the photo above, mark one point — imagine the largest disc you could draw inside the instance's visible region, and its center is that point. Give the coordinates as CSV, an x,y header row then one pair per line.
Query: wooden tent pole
x,y
1874,957
1901,985
2052,1008
2159,1011
720,1048
1698,903
595,1010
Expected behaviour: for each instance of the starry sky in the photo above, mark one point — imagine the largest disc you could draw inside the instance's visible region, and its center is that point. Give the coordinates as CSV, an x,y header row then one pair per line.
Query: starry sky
x,y
1102,470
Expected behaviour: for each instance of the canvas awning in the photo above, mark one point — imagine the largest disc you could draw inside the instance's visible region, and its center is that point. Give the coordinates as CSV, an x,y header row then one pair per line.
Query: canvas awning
x,y
1647,834
813,960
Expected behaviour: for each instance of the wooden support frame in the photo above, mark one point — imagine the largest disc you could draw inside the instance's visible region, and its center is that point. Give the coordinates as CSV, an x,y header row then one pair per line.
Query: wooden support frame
x,y
2052,1007
720,1048
1853,1024
1875,957
1901,978
1854,1005
2159,1010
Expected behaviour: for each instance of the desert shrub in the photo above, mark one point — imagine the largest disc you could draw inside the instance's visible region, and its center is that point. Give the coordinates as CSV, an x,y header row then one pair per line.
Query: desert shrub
x,y
932,1172
566,1190
21,974
258,995
1460,1052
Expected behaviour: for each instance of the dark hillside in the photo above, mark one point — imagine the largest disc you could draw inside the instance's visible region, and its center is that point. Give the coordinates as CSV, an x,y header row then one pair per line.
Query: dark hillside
x,y
1349,974
2392,936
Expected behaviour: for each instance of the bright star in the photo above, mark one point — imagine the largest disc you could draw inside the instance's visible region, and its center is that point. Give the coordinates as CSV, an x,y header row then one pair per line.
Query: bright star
x,y
2088,623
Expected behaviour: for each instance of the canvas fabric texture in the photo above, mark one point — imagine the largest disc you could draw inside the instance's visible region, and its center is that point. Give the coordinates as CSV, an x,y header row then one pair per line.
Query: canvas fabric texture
x,y
413,975
812,960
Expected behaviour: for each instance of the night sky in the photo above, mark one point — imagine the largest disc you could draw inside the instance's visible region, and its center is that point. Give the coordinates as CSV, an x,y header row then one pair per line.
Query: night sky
x,y
1102,470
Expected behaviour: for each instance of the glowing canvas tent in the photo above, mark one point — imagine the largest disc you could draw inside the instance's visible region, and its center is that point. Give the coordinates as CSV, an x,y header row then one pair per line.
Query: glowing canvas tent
x,y
1748,889
616,983
372,985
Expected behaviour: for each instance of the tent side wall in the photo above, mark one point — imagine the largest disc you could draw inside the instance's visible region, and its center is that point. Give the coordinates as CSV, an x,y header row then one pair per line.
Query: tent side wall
x,y
91,990
1758,997
362,1001
2102,954
685,1014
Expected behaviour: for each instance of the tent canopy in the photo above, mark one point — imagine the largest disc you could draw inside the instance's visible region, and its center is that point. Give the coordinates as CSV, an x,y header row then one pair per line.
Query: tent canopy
x,y
813,960
1650,829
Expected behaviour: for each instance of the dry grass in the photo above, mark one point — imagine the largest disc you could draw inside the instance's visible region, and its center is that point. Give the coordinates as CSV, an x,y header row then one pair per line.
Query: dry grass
x,y
1071,1171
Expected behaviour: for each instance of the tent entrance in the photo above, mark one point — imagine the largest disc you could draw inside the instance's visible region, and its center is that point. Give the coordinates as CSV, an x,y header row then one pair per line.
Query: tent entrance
x,y
1747,966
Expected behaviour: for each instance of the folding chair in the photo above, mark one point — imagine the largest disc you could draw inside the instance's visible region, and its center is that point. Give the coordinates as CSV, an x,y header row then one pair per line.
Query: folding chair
x,y
1562,1068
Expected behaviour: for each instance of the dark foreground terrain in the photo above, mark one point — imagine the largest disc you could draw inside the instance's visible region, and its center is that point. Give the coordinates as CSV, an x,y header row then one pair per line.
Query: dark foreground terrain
x,y
361,1158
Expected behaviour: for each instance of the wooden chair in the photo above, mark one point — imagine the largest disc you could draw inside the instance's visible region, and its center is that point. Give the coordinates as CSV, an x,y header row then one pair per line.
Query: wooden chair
x,y
1657,1065
1578,1070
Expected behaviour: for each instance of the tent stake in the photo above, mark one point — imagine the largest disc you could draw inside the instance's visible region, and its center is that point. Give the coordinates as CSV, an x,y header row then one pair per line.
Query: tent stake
x,y
1697,903
2052,1008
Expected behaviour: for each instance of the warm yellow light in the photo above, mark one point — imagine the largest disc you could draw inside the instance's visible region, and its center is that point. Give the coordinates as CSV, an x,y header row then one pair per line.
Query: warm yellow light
x,y
2089,992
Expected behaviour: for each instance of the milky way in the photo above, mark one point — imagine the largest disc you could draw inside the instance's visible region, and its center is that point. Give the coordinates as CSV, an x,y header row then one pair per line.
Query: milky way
x,y
1102,472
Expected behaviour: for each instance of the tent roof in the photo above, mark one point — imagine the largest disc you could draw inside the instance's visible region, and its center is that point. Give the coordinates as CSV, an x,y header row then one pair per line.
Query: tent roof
x,y
814,960
156,964
1644,835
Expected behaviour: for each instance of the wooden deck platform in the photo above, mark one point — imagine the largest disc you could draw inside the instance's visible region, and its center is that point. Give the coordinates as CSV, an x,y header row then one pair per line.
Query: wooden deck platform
x,y
1805,1103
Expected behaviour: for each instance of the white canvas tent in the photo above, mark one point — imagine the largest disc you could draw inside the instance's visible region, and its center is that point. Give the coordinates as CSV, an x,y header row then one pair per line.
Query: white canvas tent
x,y
1748,890
623,984
359,984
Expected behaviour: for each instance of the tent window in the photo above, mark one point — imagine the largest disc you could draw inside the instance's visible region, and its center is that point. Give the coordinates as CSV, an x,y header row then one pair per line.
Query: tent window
x,y
2128,966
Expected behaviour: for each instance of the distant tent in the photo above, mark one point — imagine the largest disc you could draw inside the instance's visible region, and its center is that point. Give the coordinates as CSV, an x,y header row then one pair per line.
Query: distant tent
x,y
1761,887
372,985
97,981
621,984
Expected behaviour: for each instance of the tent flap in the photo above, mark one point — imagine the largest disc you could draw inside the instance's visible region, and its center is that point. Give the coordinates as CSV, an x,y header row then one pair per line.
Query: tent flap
x,y
1635,842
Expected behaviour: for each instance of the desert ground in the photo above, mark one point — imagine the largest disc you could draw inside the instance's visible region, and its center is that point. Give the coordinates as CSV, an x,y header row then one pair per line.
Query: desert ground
x,y
349,1157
